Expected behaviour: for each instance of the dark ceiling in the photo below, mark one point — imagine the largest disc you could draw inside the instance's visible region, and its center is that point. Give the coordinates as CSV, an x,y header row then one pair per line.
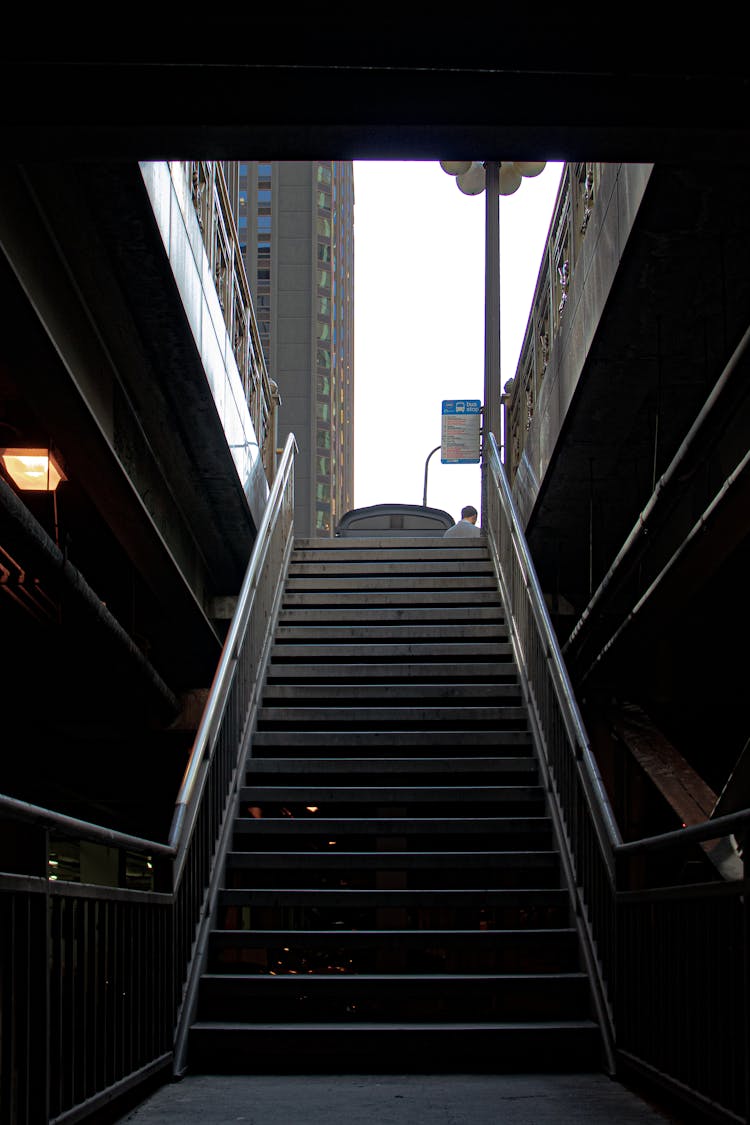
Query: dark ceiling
x,y
555,86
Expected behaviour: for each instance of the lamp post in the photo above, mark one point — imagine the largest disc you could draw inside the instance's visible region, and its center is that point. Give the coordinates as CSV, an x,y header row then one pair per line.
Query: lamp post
x,y
494,178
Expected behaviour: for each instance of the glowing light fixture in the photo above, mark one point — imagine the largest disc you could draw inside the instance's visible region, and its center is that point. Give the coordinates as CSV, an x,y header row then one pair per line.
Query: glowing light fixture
x,y
32,470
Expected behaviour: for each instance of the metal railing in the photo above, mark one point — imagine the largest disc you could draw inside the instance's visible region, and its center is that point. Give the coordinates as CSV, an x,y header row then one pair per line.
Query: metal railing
x,y
576,200
669,959
585,822
682,977
204,808
96,982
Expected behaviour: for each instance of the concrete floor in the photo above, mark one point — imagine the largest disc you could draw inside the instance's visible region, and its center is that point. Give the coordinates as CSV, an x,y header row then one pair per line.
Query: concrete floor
x,y
591,1099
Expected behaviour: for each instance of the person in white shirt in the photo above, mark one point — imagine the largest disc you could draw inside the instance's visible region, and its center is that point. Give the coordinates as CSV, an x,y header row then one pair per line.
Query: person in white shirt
x,y
467,525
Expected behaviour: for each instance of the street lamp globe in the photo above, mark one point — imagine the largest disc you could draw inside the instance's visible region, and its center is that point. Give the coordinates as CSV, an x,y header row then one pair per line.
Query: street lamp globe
x,y
472,182
455,167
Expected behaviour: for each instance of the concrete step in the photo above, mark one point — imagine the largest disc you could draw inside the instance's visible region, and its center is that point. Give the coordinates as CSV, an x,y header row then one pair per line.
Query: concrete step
x,y
403,718
430,567
455,600
551,950
415,672
415,870
457,770
377,626
402,615
322,652
458,908
498,742
465,695
328,795
368,633
365,997
400,1047
381,833
404,580
396,552
387,542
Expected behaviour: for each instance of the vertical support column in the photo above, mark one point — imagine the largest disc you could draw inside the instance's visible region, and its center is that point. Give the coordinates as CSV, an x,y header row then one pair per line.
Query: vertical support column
x,y
491,421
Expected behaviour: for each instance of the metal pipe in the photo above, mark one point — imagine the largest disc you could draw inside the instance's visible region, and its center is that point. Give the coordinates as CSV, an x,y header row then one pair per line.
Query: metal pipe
x,y
424,494
697,529
672,473
491,405
71,826
711,830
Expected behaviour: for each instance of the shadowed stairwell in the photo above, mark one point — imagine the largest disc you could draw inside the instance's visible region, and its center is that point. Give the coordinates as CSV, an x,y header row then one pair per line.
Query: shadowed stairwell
x,y
393,896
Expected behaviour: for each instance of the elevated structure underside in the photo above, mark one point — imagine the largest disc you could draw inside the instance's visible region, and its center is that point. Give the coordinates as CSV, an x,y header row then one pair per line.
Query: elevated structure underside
x,y
560,89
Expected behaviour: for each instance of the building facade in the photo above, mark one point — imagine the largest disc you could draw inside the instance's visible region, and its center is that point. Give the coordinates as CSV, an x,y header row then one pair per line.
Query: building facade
x,y
295,221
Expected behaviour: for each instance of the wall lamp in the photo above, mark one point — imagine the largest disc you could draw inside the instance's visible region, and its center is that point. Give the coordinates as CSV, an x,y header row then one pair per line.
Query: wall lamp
x,y
32,470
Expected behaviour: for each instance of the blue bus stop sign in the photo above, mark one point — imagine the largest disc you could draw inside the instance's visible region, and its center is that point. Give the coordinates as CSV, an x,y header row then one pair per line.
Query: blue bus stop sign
x,y
461,421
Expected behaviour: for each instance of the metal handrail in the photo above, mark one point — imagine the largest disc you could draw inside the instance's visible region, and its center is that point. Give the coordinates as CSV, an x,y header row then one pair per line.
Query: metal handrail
x,y
579,806
190,791
712,829
576,729
14,809
151,987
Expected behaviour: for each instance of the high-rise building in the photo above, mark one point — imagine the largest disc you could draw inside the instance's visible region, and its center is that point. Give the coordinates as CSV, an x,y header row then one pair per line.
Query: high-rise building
x,y
295,221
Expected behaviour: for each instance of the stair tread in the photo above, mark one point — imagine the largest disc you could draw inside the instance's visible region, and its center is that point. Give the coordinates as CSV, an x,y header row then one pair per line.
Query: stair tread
x,y
463,692
390,713
391,1025
444,766
344,979
340,896
462,600
429,937
397,825
379,650
415,671
393,737
395,614
388,859
314,794
403,581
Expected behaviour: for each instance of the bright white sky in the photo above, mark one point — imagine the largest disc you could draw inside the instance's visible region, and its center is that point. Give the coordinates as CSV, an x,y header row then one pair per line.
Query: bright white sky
x,y
419,318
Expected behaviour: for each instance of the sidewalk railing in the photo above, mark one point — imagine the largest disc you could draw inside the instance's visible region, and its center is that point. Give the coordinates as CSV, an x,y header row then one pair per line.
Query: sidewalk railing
x,y
96,981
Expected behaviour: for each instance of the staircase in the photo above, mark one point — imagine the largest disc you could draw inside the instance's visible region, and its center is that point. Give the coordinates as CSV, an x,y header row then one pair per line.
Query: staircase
x,y
394,897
